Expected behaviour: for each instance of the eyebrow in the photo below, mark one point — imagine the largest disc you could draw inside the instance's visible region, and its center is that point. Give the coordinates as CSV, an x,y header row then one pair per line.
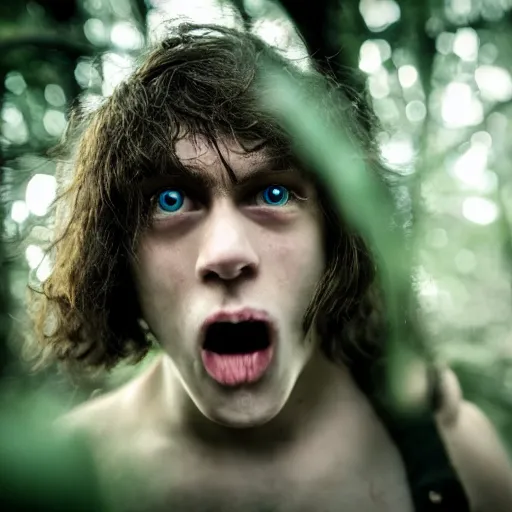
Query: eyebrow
x,y
197,178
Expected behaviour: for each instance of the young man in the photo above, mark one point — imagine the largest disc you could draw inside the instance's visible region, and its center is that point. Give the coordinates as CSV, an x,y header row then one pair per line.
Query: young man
x,y
189,222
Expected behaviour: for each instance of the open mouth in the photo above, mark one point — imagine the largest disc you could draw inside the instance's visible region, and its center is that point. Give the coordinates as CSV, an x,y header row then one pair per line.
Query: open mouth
x,y
235,353
240,338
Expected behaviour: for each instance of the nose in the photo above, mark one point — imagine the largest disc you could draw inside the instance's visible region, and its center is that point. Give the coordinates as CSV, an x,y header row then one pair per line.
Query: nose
x,y
226,251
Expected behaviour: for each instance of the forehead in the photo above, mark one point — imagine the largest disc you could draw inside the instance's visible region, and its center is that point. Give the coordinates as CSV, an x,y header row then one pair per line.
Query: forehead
x,y
197,153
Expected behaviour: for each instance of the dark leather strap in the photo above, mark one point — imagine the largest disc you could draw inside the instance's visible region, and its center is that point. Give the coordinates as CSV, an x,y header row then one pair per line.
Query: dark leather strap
x,y
433,481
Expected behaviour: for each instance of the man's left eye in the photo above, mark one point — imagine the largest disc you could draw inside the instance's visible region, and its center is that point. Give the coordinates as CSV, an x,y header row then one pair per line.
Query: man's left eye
x,y
274,195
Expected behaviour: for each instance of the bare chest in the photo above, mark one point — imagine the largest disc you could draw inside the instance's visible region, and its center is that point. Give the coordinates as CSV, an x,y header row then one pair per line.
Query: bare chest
x,y
279,494
322,482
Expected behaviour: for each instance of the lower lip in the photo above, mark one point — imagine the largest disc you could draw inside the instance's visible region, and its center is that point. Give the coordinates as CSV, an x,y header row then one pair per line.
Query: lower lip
x,y
237,369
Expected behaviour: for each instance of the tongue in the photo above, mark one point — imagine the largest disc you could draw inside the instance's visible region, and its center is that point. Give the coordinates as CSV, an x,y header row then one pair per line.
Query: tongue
x,y
236,369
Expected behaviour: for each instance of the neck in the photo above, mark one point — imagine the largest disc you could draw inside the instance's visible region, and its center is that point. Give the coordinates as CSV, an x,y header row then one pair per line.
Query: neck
x,y
324,398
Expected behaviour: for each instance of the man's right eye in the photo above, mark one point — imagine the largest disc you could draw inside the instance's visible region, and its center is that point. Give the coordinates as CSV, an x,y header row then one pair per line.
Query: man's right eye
x,y
171,201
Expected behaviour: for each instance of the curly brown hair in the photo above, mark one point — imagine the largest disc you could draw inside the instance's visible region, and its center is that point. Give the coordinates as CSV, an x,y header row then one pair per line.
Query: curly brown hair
x,y
201,80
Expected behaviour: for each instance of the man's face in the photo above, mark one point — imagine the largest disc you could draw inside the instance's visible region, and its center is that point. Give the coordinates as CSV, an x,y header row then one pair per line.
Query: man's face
x,y
225,273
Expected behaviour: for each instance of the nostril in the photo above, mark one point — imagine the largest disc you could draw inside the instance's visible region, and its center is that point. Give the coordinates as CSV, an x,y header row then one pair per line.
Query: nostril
x,y
229,272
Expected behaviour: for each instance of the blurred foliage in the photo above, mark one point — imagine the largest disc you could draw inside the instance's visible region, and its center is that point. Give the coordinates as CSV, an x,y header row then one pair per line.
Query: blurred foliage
x,y
39,469
438,76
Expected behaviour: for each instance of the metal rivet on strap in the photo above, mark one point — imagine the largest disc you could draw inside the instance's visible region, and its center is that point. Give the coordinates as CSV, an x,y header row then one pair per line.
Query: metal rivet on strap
x,y
435,497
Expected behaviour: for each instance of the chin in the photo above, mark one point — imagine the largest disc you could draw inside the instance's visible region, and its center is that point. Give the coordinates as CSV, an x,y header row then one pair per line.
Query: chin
x,y
241,422
244,411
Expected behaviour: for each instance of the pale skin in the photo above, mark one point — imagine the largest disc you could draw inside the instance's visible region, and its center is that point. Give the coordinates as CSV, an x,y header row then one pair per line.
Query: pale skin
x,y
305,437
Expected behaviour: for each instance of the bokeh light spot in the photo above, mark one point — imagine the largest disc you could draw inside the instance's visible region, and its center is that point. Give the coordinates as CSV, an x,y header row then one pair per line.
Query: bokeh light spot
x,y
480,210
44,269
95,31
40,193
378,84
399,150
466,43
370,58
15,82
54,95
379,14
116,69
494,82
86,74
34,255
54,122
444,43
126,36
470,166
19,211
416,111
482,137
407,75
488,53
460,107
14,127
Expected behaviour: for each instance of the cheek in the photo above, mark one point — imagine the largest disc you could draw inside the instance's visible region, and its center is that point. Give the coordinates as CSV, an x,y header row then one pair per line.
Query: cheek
x,y
298,260
159,276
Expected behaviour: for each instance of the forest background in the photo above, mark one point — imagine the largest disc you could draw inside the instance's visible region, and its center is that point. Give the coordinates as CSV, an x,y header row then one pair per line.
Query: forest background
x,y
438,75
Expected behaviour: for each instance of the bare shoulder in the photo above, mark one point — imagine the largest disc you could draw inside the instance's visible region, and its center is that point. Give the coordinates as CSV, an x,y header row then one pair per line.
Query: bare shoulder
x,y
95,416
475,449
113,414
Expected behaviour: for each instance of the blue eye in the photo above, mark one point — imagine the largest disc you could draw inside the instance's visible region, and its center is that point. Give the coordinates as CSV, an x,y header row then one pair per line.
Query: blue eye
x,y
170,200
276,195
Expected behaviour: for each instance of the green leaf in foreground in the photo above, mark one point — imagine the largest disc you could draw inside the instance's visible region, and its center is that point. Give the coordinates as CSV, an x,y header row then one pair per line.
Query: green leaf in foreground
x,y
364,201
